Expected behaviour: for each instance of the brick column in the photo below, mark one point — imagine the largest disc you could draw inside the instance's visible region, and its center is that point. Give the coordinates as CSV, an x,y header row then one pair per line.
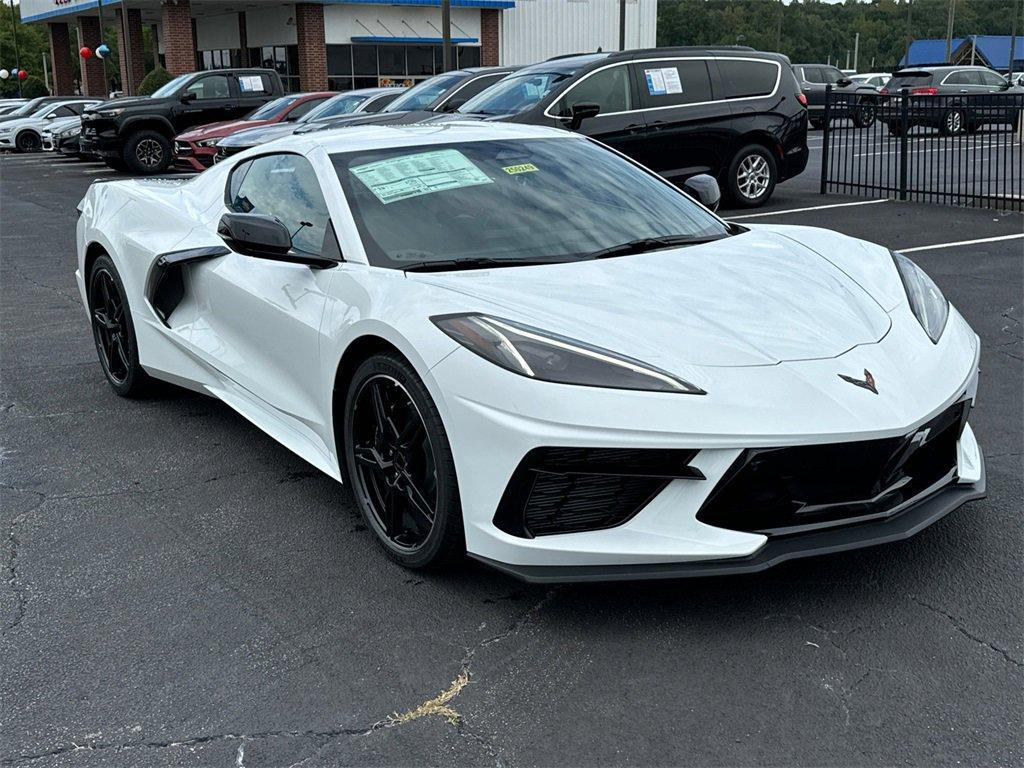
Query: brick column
x,y
490,24
243,41
135,40
93,80
179,47
60,59
309,28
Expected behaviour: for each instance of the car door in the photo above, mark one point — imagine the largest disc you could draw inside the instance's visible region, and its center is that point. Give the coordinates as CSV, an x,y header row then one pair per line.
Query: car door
x,y
995,100
618,123
259,318
207,99
812,82
686,126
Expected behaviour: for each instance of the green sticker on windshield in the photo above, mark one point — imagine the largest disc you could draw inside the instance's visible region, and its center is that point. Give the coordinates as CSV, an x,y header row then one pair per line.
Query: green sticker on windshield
x,y
512,170
400,178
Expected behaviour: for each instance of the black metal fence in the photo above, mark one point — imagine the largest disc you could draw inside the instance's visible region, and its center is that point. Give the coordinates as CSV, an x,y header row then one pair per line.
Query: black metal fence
x,y
958,149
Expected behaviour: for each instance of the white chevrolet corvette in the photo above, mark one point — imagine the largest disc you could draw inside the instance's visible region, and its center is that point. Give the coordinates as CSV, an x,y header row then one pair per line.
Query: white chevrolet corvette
x,y
515,343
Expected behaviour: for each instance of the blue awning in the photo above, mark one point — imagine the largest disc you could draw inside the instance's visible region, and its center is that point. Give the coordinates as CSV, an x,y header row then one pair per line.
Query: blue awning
x,y
410,40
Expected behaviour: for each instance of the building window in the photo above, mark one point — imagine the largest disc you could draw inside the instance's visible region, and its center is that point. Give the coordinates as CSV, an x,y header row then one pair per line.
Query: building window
x,y
225,58
283,59
368,66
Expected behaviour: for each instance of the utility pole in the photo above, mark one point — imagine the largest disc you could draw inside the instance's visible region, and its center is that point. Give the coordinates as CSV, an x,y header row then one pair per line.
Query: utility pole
x,y
910,34
950,17
622,25
446,35
125,53
17,55
103,61
856,50
778,30
1013,42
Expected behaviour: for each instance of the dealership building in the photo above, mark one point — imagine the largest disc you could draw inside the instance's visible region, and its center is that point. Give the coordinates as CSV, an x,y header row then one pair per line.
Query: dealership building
x,y
331,44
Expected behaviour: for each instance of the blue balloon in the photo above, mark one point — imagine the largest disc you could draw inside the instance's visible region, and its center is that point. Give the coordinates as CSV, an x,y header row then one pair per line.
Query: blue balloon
x,y
103,51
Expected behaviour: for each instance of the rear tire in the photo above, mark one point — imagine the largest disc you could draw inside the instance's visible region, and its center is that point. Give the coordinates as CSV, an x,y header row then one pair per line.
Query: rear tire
x,y
400,464
147,153
752,176
953,122
895,129
114,332
864,114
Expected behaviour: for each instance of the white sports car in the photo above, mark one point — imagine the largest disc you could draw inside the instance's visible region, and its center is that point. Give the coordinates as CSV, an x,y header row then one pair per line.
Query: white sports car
x,y
516,343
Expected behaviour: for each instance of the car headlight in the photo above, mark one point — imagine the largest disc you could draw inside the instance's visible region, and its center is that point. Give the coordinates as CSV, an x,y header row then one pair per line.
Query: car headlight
x,y
109,112
67,133
5,130
207,143
546,356
926,300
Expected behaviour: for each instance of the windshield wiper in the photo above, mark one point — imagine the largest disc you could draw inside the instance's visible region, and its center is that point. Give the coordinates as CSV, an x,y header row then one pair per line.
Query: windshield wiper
x,y
443,265
645,244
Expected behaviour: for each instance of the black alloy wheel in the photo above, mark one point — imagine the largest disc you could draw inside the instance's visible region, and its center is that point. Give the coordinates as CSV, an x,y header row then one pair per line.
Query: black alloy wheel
x,y
399,462
28,141
113,331
865,113
147,152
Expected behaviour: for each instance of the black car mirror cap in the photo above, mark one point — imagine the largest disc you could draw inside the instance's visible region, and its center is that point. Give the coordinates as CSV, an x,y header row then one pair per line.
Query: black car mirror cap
x,y
843,82
187,96
704,189
581,112
255,234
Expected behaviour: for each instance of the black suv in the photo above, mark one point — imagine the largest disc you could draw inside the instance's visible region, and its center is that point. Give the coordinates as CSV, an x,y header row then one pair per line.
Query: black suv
x,y
137,134
951,98
732,112
855,100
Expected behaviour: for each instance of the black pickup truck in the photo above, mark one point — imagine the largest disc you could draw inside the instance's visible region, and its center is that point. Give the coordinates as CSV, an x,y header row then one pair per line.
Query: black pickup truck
x,y
137,134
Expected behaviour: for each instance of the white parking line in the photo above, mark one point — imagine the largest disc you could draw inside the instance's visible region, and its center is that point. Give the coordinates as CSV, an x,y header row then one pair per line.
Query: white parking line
x,y
802,210
961,242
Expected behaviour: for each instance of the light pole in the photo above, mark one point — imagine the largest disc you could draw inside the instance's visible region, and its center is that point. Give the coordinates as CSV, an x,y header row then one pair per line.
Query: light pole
x,y
622,25
125,50
446,35
17,55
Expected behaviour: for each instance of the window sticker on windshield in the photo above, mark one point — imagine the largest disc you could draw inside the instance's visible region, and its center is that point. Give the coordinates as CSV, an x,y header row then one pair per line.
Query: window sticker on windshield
x,y
512,170
663,81
250,83
400,178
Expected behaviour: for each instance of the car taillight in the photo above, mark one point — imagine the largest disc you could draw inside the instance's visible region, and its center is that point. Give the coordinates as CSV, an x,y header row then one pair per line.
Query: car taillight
x,y
924,91
802,99
884,91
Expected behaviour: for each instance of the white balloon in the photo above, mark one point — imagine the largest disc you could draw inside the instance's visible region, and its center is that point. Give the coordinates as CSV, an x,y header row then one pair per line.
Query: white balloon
x,y
4,74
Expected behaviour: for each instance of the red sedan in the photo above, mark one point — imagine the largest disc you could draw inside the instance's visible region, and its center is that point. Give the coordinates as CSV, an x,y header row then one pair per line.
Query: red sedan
x,y
195,149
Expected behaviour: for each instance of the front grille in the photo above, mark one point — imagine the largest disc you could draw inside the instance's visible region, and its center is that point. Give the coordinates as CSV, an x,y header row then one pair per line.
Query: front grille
x,y
777,491
568,490
183,148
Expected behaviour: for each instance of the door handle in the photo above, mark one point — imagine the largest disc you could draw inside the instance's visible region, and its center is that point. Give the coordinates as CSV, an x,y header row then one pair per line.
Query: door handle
x,y
964,90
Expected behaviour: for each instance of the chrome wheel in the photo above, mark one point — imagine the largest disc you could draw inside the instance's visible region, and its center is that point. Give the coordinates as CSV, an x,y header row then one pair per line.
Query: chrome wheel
x,y
149,153
395,464
108,326
753,177
954,122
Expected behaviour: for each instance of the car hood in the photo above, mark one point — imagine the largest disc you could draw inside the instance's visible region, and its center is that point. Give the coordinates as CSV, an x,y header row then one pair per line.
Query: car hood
x,y
125,102
250,137
375,118
758,298
217,130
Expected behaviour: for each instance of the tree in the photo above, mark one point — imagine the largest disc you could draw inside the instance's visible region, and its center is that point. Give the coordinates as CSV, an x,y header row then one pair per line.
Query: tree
x,y
155,79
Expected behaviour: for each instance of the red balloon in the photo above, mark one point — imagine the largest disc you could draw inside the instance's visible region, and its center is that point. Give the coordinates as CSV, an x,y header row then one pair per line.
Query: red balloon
x,y
85,52
22,74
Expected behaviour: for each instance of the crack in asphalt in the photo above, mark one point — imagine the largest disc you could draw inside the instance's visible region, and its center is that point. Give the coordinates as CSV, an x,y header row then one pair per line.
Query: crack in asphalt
x,y
959,627
12,576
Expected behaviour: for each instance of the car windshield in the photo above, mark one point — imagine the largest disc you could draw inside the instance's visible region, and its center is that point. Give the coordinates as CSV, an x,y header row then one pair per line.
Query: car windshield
x,y
423,94
273,109
27,109
172,86
527,200
514,93
338,105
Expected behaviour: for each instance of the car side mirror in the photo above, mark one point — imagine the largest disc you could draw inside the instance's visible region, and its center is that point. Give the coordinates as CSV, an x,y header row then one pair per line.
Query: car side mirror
x,y
704,189
255,234
844,82
51,116
581,112
187,97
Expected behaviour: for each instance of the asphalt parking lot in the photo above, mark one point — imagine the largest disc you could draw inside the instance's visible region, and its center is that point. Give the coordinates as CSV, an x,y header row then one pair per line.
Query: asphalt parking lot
x,y
178,589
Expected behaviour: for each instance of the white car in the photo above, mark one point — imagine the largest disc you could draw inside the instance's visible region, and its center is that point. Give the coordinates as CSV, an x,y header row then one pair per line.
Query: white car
x,y
24,134
516,343
874,79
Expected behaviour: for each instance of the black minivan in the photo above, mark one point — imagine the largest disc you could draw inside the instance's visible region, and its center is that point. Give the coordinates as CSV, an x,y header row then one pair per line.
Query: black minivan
x,y
732,112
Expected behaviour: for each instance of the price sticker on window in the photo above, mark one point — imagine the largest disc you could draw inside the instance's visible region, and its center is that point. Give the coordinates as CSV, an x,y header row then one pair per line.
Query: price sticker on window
x,y
663,81
400,178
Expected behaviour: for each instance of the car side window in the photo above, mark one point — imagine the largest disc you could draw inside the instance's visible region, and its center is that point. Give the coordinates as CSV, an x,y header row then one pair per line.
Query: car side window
x,y
210,87
305,107
670,83
64,112
608,88
832,75
742,79
956,78
471,89
991,78
973,77
812,75
285,186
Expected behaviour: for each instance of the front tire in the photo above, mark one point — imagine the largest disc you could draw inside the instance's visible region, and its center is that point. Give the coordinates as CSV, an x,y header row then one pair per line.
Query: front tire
x,y
147,152
752,176
28,141
400,464
114,332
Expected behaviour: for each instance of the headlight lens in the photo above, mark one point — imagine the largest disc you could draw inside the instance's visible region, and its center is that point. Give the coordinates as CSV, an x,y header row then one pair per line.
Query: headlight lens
x,y
110,112
926,300
208,143
6,130
546,356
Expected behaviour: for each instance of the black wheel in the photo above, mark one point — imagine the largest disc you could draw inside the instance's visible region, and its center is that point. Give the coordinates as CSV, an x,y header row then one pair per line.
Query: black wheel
x,y
895,129
752,176
864,114
953,122
28,141
147,152
400,464
112,162
113,331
